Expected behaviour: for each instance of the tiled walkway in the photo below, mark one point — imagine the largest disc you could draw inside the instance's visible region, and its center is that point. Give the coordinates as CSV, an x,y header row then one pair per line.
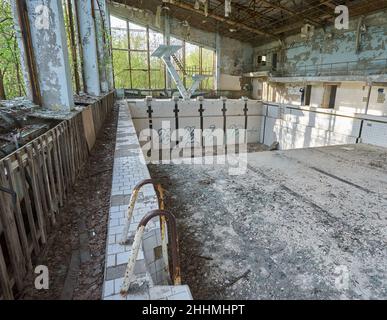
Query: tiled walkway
x,y
130,169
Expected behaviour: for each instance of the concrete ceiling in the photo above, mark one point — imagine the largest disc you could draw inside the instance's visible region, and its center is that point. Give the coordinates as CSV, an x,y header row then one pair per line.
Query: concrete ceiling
x,y
260,20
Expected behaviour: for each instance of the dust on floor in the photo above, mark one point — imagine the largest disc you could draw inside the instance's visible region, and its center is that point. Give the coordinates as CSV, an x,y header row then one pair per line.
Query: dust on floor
x,y
75,254
302,224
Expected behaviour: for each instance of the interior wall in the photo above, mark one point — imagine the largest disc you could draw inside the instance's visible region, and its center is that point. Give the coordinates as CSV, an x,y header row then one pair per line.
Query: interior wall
x,y
257,88
333,46
351,97
293,128
378,101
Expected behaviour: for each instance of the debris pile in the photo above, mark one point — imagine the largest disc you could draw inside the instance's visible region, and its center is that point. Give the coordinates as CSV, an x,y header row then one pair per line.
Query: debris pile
x,y
14,113
84,99
16,125
22,121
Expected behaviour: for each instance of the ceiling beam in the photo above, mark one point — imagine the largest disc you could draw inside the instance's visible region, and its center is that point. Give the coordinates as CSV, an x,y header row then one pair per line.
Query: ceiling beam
x,y
281,26
292,12
251,11
225,20
328,4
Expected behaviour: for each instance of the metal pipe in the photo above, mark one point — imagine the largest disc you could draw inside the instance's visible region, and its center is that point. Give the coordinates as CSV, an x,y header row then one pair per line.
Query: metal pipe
x,y
172,229
358,140
176,278
132,261
163,226
368,98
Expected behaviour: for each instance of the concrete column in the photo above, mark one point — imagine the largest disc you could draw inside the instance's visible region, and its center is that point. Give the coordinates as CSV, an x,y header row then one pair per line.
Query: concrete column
x,y
167,41
48,37
102,42
218,60
89,47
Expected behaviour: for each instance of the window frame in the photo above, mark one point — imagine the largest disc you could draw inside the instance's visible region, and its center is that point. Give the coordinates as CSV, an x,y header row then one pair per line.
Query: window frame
x,y
149,70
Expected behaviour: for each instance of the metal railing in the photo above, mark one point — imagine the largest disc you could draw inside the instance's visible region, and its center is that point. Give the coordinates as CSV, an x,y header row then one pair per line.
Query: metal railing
x,y
133,199
358,67
167,222
170,218
377,66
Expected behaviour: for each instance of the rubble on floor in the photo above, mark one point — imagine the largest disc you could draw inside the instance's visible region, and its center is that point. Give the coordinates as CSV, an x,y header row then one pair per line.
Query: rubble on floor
x,y
299,224
84,99
22,121
75,252
17,127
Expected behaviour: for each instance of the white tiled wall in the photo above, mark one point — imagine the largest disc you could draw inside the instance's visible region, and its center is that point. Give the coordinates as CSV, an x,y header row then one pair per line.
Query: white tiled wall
x,y
300,128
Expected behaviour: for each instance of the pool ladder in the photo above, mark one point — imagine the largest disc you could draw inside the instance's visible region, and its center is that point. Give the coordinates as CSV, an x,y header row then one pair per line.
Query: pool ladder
x,y
167,220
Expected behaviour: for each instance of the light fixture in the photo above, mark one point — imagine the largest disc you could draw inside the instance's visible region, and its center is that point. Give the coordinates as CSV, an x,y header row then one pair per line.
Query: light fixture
x,y
227,8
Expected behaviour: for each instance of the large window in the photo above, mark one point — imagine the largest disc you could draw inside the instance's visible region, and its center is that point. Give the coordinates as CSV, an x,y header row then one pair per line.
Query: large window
x,y
134,67
196,60
11,79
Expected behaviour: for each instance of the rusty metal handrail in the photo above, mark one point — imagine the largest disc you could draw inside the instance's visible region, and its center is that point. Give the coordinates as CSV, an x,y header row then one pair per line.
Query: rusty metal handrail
x,y
176,277
132,204
133,199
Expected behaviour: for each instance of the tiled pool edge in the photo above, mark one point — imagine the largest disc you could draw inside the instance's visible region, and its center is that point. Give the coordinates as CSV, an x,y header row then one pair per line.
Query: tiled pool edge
x,y
129,169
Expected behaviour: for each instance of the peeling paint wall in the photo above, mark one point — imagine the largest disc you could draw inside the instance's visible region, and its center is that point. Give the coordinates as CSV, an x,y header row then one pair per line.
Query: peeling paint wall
x,y
331,47
50,48
234,59
89,47
235,56
334,46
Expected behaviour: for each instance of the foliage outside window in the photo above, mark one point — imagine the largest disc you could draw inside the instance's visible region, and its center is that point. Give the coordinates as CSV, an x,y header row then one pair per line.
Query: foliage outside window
x,y
11,80
74,54
134,67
